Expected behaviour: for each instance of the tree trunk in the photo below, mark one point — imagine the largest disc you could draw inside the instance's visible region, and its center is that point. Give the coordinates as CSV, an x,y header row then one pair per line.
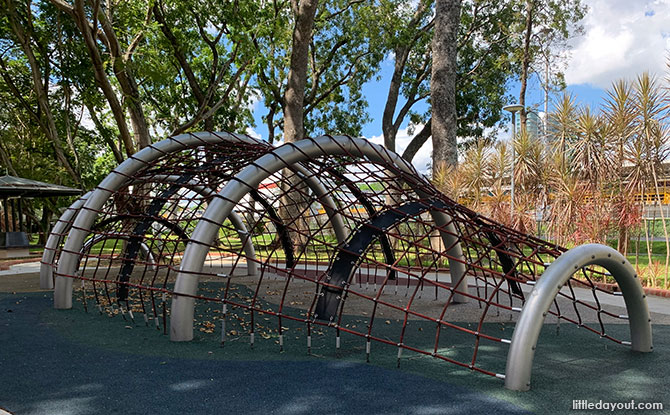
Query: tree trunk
x,y
525,64
388,127
443,85
304,11
417,142
293,207
104,132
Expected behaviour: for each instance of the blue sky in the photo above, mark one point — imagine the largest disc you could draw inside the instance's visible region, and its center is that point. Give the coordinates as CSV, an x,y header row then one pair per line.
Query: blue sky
x,y
621,39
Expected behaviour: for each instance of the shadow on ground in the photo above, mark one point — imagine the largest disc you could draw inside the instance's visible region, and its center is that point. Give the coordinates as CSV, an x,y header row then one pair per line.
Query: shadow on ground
x,y
72,362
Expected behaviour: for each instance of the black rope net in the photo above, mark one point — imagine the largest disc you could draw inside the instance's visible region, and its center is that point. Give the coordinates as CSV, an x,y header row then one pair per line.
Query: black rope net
x,y
387,282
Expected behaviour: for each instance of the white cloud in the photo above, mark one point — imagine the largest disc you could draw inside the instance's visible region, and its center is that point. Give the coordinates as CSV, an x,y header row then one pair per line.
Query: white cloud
x,y
255,99
422,159
622,38
252,133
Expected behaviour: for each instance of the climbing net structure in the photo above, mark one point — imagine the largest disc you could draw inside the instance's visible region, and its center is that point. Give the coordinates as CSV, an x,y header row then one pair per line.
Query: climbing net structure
x,y
327,234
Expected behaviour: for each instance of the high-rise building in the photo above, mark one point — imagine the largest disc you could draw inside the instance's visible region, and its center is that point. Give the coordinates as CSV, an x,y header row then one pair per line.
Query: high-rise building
x,y
533,124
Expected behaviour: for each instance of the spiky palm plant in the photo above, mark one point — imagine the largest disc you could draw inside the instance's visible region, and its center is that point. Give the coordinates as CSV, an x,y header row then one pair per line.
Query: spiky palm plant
x,y
649,109
592,151
528,162
567,195
620,116
497,204
562,124
450,181
476,172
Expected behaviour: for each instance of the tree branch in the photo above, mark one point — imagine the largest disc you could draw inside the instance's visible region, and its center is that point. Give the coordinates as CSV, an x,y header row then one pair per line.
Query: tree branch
x,y
316,73
342,81
178,54
418,141
138,38
202,112
342,10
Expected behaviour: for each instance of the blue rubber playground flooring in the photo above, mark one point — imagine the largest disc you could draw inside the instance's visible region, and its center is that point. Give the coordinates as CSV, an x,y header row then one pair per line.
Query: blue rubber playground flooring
x,y
73,362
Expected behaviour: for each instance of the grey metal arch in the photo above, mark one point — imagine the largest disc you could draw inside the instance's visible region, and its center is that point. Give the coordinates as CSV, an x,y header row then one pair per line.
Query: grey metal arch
x,y
69,258
67,263
99,238
235,220
64,225
527,329
181,322
343,266
55,237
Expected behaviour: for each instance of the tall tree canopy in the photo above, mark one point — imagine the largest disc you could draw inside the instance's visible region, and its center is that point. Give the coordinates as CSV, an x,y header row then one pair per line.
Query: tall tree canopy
x,y
86,83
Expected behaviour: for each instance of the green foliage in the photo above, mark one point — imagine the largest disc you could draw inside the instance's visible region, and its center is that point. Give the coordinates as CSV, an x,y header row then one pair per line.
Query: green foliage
x,y
485,53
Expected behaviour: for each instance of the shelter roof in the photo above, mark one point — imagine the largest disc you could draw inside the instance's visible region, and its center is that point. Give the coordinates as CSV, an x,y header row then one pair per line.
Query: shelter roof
x,y
16,186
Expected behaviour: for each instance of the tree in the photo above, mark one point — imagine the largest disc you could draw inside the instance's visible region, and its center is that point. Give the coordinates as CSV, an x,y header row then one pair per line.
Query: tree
x,y
620,115
343,54
652,137
410,42
109,44
484,67
22,31
546,24
443,84
213,67
304,11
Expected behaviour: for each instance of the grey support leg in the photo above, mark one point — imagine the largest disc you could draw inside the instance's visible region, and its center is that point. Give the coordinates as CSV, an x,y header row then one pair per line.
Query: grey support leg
x,y
56,236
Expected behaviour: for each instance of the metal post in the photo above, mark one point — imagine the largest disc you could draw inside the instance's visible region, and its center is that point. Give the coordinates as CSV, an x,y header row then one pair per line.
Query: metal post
x,y
20,216
513,108
5,204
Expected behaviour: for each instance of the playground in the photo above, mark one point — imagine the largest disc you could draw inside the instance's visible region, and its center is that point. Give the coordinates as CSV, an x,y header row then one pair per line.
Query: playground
x,y
212,270
74,362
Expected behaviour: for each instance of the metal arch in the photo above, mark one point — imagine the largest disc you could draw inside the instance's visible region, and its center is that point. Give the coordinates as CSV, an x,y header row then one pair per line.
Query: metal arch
x,y
235,219
527,329
326,200
282,231
370,210
341,269
181,322
55,238
312,182
151,258
68,261
64,224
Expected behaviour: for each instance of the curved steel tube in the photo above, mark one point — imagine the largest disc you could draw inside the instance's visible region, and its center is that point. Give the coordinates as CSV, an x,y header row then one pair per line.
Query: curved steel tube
x,y
64,224
527,329
235,220
68,261
69,258
55,238
181,322
102,237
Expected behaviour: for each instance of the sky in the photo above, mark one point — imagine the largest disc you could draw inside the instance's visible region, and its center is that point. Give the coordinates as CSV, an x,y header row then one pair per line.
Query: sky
x,y
621,39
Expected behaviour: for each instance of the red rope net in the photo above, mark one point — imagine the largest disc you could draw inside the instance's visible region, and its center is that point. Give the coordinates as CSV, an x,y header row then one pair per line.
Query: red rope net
x,y
388,281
